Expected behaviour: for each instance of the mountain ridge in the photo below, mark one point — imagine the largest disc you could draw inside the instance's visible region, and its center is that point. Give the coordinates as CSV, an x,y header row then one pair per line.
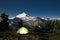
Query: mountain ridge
x,y
22,15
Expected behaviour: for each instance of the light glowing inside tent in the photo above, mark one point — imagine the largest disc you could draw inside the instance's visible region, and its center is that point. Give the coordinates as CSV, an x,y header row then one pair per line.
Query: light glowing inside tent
x,y
22,30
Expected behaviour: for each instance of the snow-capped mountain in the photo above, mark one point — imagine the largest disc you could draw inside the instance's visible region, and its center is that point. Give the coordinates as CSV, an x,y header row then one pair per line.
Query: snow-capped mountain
x,y
27,20
24,16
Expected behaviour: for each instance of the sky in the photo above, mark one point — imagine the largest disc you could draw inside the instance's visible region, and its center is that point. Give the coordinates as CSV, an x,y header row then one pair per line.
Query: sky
x,y
40,8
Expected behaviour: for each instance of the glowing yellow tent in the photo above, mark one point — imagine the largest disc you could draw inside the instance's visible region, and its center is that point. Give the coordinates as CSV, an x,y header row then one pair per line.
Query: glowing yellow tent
x,y
23,30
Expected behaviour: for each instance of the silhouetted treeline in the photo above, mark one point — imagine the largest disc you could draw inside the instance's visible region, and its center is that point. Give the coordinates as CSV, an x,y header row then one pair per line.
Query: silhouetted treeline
x,y
4,25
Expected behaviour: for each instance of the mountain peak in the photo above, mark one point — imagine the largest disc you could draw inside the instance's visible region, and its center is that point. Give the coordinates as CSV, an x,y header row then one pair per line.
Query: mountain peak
x,y
21,15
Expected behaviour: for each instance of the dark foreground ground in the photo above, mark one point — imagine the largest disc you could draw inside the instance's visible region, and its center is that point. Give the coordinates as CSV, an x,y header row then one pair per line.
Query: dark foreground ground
x,y
13,36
